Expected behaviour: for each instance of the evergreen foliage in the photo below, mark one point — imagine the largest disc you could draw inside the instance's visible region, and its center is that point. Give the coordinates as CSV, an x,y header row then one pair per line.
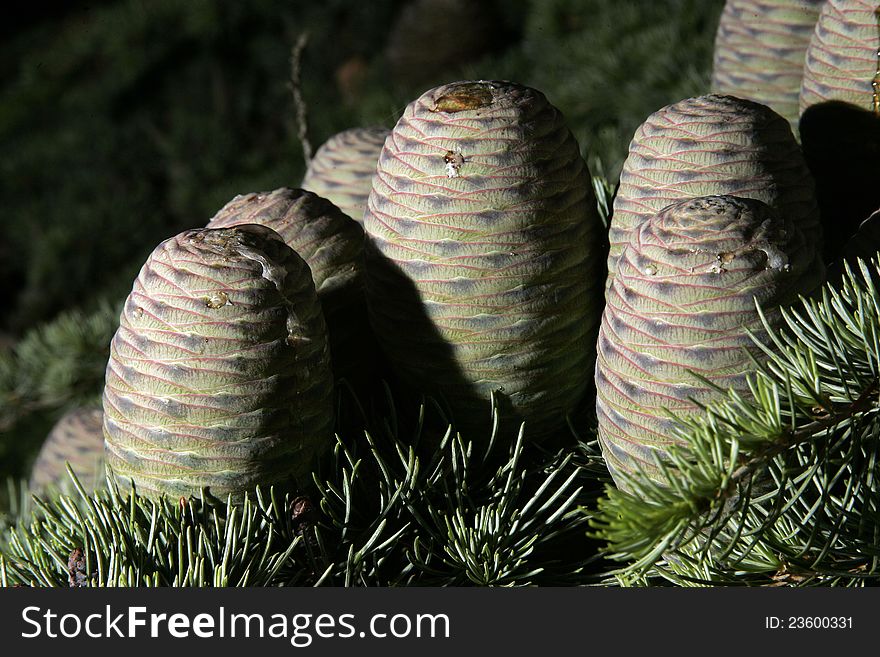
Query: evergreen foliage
x,y
608,65
385,510
779,488
55,366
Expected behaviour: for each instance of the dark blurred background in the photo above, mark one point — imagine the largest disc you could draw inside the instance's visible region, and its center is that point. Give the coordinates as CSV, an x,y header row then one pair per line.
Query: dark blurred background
x,y
123,122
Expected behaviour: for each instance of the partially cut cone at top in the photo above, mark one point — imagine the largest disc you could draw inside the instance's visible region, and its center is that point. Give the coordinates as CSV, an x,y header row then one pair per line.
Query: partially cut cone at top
x,y
219,374
843,59
759,52
840,116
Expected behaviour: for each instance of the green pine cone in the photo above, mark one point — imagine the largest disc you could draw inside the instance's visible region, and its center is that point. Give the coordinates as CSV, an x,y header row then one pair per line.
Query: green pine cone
x,y
840,116
219,374
706,146
759,52
332,245
76,439
484,254
342,169
842,59
682,301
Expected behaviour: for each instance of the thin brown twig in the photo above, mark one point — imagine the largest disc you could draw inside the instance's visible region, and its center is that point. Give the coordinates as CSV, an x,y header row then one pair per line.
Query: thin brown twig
x,y
299,103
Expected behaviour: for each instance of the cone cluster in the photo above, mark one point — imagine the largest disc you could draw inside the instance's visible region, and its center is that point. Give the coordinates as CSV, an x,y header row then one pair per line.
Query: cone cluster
x,y
708,146
478,268
332,246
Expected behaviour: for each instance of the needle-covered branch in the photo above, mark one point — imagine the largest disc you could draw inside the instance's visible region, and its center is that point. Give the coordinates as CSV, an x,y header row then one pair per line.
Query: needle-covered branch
x,y
778,486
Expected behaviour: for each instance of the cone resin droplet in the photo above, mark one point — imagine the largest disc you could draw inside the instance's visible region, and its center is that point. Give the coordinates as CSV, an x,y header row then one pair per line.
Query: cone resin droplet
x,y
76,439
332,246
483,255
219,374
342,169
759,52
682,301
712,145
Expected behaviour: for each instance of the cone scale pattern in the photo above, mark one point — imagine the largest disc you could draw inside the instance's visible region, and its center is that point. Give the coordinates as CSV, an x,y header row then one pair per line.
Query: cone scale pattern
x,y
76,439
343,167
219,373
842,60
712,145
759,52
840,116
483,254
332,246
681,302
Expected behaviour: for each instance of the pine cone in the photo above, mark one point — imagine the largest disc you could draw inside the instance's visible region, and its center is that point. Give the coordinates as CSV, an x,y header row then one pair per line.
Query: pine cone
x,y
342,169
682,301
75,439
712,145
840,116
332,246
219,374
759,52
483,254
842,59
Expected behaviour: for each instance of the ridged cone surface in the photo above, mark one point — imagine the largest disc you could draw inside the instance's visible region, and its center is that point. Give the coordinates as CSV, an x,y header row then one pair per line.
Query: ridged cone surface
x,y
219,374
759,52
712,145
331,244
76,439
682,301
483,253
343,167
841,61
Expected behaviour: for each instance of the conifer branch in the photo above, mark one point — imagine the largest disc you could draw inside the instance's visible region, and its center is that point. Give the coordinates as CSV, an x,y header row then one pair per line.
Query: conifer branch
x,y
57,364
383,511
777,487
